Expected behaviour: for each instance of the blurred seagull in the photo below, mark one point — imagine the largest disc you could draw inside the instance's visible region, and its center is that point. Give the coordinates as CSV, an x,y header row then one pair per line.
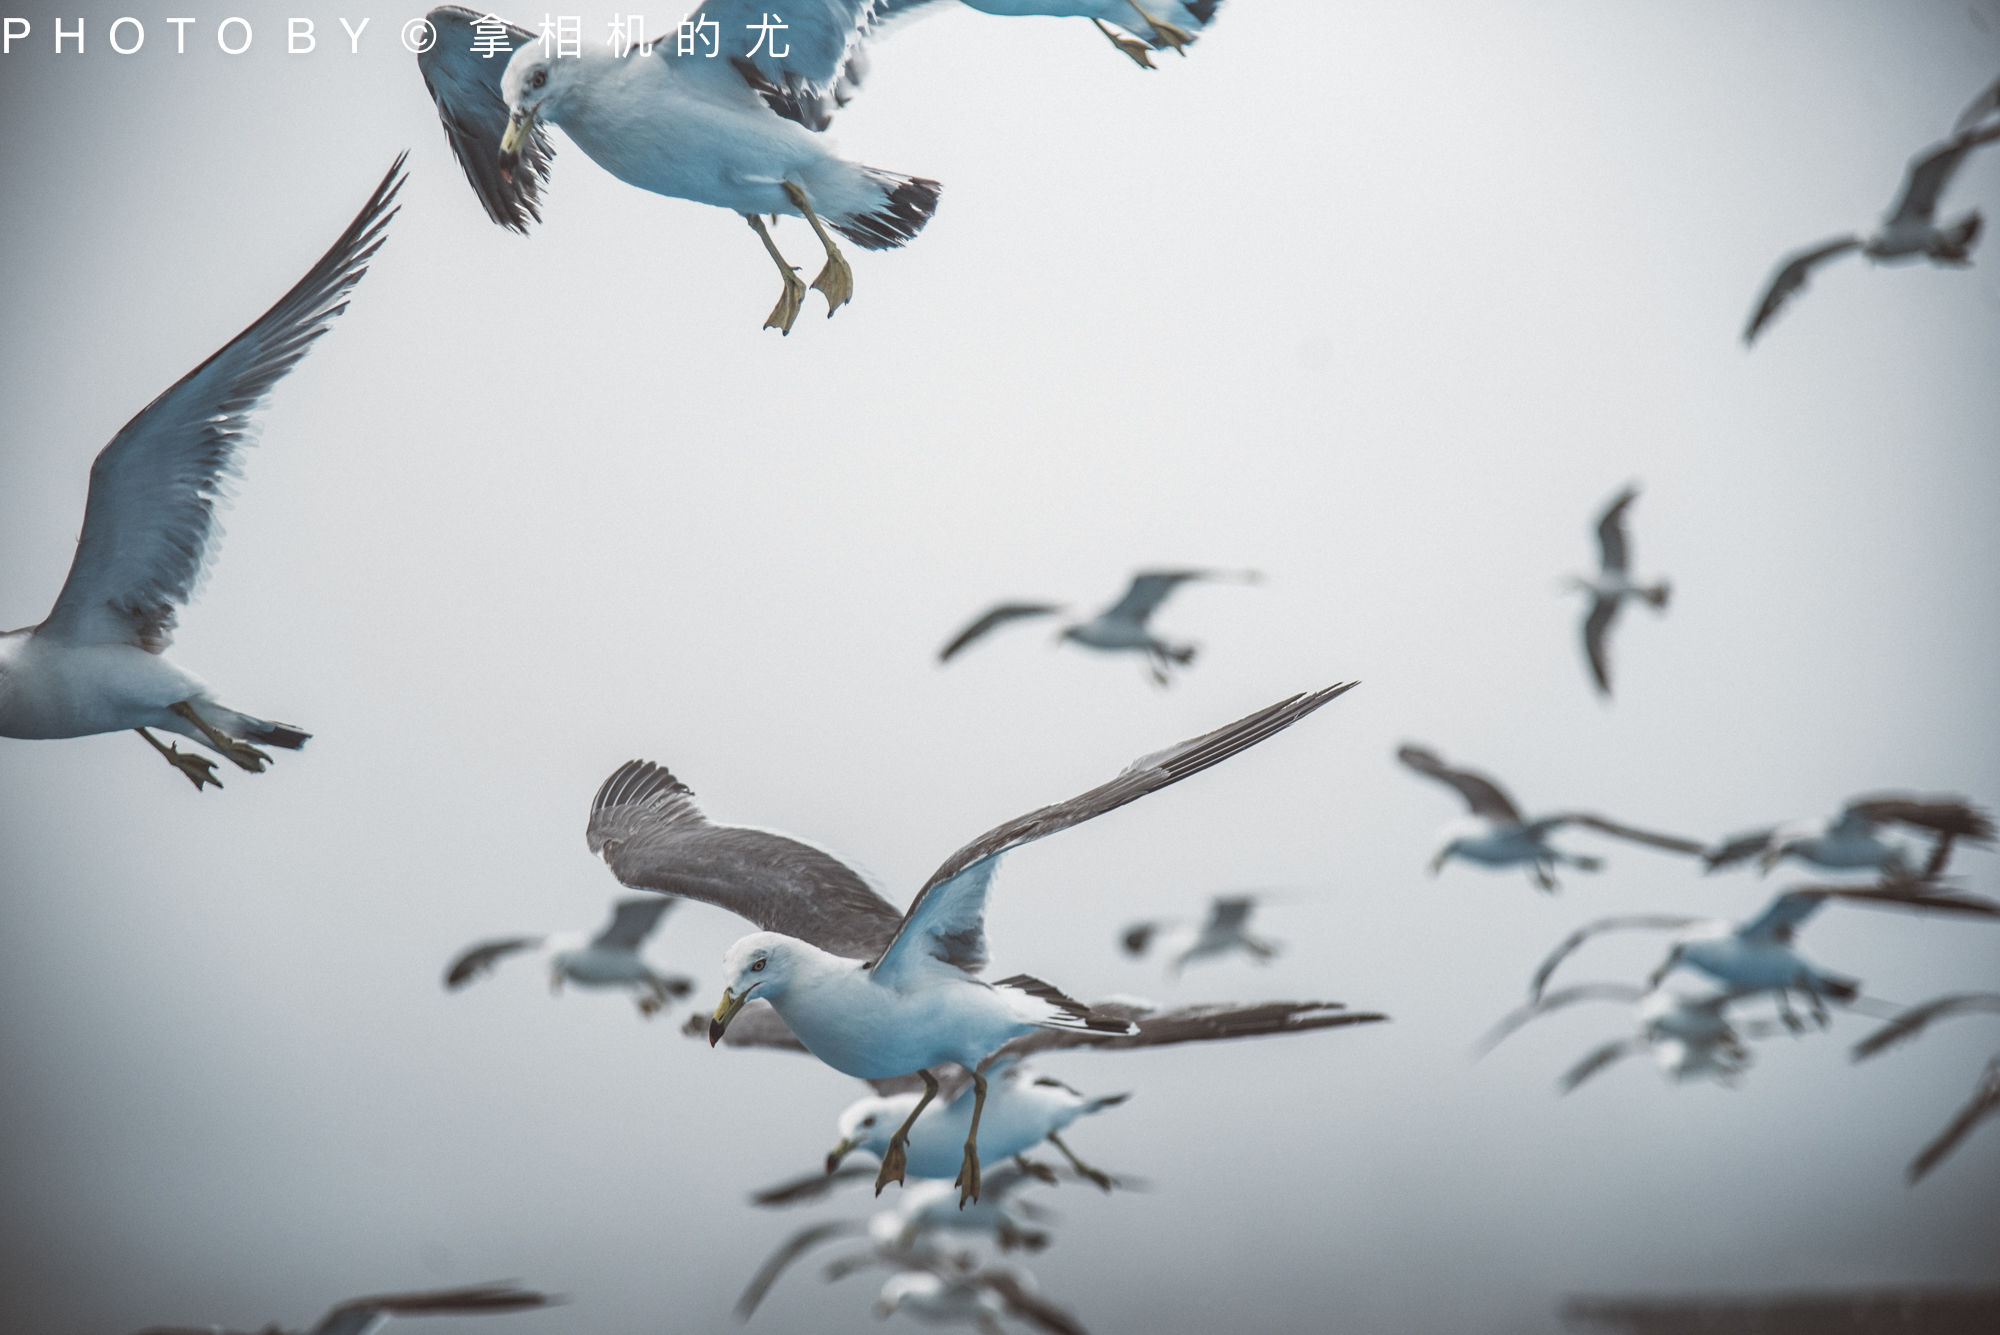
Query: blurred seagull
x,y
358,1316
908,1002
1136,27
737,133
1120,627
1856,839
1611,587
977,1298
1757,955
609,959
98,662
1223,931
1687,1036
1911,229
1985,1101
1496,834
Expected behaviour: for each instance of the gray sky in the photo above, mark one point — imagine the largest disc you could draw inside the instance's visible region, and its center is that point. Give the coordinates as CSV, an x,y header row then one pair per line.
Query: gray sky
x,y
1384,299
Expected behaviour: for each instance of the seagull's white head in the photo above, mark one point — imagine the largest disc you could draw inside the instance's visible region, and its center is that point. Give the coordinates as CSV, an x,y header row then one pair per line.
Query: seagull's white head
x,y
529,84
760,965
867,1124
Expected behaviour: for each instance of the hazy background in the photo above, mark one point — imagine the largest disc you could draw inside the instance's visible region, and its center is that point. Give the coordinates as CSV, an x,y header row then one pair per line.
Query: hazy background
x,y
1384,299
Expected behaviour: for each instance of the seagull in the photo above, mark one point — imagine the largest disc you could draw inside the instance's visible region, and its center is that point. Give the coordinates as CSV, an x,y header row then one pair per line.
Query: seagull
x,y
904,1000
1136,27
1911,228
735,133
1611,587
979,1298
1985,1100
1120,627
1496,834
97,662
357,1316
609,959
1856,838
1221,933
1687,1036
1757,956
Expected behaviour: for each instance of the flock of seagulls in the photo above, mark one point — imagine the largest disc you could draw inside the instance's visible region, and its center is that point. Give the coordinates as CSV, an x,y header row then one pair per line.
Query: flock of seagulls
x,y
956,1108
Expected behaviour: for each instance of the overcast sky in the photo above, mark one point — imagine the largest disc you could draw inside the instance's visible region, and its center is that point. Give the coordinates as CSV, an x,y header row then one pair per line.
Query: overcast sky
x,y
1382,298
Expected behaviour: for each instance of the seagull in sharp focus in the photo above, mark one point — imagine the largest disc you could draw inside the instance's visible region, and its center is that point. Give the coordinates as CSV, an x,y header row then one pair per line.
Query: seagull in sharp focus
x,y
610,959
1911,230
1985,1101
1119,628
97,662
1496,834
736,133
911,1002
358,1316
1858,837
1136,27
1612,587
1224,931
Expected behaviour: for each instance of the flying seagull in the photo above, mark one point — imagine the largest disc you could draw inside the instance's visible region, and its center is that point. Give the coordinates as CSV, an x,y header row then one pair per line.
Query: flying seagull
x,y
1687,1036
358,1316
1757,956
905,999
1120,627
737,133
1136,27
1612,587
1911,229
98,662
1224,931
979,1298
609,959
1985,1101
1857,838
1496,834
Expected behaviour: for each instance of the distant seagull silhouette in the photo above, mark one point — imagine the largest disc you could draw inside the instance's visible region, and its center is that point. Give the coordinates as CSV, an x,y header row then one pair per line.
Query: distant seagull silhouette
x,y
1496,834
1910,231
608,960
357,1316
1856,839
1611,587
1688,1036
1985,1101
98,662
1120,627
1136,27
1183,941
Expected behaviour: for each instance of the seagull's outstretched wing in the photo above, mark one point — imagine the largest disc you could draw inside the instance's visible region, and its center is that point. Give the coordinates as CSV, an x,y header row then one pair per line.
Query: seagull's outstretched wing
x,y
789,1251
1024,1304
1208,1023
1628,993
1596,646
632,921
1784,914
484,957
1671,843
1228,914
1985,1103
808,64
947,920
1942,815
1986,104
1149,588
1791,277
810,1186
149,527
1623,922
356,1315
1931,171
1613,555
1738,848
1917,1018
994,617
465,84
1483,795
1607,1054
645,825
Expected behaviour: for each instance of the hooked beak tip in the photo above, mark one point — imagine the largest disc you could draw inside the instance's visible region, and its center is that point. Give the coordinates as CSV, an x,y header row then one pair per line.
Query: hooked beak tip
x,y
715,1028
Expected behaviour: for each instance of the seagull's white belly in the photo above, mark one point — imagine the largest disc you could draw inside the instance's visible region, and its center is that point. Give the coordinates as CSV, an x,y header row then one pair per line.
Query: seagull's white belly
x,y
1502,848
689,148
1102,634
1016,1119
864,1029
601,968
53,689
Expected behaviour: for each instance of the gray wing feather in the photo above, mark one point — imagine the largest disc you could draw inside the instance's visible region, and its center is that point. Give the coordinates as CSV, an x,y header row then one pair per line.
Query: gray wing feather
x,y
1939,815
632,921
1737,848
1484,796
356,1315
824,61
947,918
645,825
1618,923
1603,611
1917,1018
990,619
1671,843
1150,588
1627,993
482,958
1229,913
794,1247
1979,109
1024,1304
1611,546
1208,1023
1985,1103
466,88
810,1186
149,527
1931,171
1596,1060
1791,277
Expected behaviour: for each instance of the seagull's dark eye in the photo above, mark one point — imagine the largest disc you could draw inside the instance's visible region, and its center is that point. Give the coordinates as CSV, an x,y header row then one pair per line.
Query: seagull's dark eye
x,y
867,1121
541,77
757,966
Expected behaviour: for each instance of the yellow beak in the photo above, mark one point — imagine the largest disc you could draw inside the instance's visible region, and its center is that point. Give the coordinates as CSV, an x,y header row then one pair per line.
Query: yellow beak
x,y
518,126
724,1013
